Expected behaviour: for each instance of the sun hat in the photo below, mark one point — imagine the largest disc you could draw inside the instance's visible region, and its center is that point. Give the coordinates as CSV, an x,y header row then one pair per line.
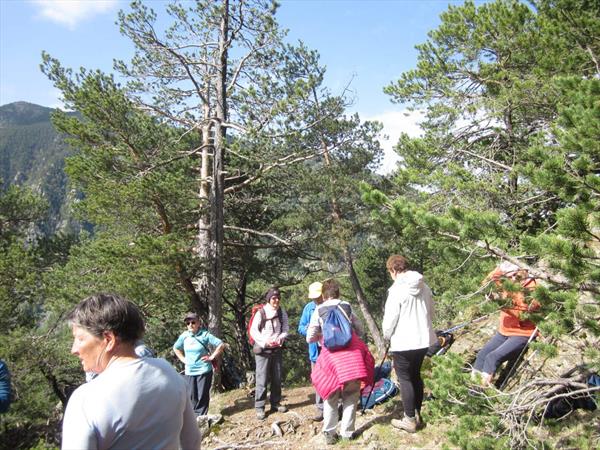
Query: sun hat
x,y
191,316
314,290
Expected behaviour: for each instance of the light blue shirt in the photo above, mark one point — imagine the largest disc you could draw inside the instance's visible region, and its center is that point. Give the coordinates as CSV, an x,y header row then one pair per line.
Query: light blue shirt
x,y
194,347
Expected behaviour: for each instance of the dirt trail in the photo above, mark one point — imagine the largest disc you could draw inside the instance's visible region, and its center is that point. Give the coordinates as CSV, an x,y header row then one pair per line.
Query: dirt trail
x,y
241,430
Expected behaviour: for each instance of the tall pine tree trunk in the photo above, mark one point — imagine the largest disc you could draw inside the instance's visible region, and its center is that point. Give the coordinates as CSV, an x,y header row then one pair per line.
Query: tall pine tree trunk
x,y
349,263
204,231
210,226
362,302
217,191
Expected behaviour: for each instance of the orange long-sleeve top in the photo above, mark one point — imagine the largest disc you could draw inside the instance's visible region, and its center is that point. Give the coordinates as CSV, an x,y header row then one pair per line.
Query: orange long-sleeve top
x,y
510,318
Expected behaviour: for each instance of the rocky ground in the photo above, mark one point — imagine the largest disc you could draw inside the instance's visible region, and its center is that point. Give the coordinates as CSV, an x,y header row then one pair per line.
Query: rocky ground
x,y
240,429
295,430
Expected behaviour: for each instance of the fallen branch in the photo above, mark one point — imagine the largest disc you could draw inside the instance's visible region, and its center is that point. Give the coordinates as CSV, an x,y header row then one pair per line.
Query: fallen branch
x,y
248,445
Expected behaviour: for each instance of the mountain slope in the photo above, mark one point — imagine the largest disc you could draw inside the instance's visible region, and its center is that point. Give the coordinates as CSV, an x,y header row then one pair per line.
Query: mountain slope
x,y
33,154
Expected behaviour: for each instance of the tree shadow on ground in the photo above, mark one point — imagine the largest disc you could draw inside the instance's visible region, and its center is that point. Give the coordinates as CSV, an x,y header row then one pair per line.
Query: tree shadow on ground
x,y
386,417
373,417
310,400
239,405
247,402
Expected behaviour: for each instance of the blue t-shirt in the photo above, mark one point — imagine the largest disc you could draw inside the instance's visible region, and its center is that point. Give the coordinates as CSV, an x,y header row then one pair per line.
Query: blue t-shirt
x,y
194,347
313,347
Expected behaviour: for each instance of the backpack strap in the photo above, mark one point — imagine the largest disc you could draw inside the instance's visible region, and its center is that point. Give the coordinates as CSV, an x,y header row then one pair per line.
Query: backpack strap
x,y
323,311
208,352
263,316
346,314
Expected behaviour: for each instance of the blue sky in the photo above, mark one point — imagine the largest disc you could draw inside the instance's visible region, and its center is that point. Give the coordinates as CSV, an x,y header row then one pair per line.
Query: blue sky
x,y
367,43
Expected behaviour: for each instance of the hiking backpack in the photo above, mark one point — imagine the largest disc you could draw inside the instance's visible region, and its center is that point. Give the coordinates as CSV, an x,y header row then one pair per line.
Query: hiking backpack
x,y
336,328
382,390
263,317
442,344
559,407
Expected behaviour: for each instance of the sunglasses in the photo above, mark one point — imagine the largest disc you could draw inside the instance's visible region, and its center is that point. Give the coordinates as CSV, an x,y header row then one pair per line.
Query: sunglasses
x,y
192,322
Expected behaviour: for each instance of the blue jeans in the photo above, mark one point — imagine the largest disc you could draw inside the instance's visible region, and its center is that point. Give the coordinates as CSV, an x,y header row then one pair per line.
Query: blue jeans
x,y
499,349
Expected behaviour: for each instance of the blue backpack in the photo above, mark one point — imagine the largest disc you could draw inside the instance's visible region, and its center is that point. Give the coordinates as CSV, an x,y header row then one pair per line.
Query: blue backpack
x,y
381,391
336,329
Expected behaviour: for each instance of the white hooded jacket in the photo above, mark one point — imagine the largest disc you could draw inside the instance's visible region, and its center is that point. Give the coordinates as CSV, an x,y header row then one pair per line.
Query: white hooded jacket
x,y
408,313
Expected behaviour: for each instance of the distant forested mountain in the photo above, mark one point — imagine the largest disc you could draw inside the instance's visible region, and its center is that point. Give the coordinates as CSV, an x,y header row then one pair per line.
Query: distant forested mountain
x,y
33,154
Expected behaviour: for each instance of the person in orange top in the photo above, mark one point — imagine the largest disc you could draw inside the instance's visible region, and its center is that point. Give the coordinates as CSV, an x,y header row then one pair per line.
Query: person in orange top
x,y
514,332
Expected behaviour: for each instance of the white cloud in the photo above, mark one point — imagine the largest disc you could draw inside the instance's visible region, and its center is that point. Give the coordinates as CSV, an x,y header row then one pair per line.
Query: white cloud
x,y
71,12
395,123
54,96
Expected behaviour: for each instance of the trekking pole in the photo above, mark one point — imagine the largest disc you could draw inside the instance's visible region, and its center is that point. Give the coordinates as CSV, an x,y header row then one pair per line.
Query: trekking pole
x,y
516,363
371,392
464,324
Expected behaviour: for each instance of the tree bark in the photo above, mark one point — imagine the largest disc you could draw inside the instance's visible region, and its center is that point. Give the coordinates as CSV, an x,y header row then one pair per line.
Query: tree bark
x,y
349,262
362,303
204,235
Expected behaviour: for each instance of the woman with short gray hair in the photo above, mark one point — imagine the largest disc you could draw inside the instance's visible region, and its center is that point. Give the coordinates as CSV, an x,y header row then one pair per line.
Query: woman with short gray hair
x,y
133,403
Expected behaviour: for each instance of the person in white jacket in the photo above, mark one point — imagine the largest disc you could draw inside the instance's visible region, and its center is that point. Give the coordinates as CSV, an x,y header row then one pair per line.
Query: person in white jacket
x,y
407,325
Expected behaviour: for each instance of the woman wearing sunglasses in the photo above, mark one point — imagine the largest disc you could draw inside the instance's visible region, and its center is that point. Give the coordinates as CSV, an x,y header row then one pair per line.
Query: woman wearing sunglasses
x,y
193,348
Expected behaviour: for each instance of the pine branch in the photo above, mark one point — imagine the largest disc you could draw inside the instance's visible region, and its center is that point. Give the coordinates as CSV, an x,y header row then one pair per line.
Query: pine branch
x,y
542,274
259,233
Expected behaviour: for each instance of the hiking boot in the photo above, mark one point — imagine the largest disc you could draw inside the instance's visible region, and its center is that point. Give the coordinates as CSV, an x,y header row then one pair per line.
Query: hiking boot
x,y
318,416
331,437
408,424
279,408
419,420
260,414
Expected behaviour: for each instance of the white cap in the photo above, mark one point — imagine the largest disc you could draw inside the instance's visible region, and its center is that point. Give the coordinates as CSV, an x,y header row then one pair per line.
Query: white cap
x,y
314,289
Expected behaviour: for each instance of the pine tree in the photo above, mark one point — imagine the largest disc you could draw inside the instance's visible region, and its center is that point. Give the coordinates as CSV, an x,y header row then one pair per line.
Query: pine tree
x,y
506,169
220,84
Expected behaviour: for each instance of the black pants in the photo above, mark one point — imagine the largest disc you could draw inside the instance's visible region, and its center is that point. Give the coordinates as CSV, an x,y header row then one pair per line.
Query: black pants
x,y
407,365
199,390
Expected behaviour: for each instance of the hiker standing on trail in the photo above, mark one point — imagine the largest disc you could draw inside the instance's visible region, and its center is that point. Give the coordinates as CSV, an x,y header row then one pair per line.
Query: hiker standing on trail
x,y
339,373
133,402
513,333
269,330
193,348
407,326
316,297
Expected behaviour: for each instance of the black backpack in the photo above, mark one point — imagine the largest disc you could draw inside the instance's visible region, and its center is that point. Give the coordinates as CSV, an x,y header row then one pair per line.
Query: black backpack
x,y
443,343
